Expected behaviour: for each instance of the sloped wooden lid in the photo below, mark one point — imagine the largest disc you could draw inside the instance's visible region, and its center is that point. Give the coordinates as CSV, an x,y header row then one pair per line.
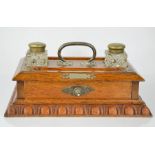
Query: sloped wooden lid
x,y
56,73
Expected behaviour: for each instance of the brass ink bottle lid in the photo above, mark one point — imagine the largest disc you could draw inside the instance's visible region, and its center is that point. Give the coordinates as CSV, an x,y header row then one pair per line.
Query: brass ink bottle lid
x,y
37,47
116,48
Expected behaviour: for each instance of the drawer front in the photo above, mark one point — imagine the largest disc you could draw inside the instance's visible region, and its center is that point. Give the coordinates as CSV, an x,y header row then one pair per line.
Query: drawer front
x,y
77,90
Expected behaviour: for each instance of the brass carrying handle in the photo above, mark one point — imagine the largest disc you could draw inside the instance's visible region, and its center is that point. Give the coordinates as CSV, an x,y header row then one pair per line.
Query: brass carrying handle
x,y
77,44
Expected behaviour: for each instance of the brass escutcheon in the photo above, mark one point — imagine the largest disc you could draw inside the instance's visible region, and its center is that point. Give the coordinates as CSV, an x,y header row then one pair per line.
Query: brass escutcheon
x,y
77,90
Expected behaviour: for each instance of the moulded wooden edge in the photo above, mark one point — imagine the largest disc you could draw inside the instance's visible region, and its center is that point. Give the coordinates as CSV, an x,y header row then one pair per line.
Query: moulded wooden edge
x,y
71,110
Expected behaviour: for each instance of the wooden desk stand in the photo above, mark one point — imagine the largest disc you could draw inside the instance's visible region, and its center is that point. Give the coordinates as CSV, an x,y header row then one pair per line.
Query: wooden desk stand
x,y
76,91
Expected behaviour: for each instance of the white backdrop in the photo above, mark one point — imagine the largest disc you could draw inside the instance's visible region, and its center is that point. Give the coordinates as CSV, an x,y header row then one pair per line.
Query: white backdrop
x,y
140,47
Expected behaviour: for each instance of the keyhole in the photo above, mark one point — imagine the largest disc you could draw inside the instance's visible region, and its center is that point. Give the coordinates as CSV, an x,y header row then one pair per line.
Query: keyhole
x,y
77,91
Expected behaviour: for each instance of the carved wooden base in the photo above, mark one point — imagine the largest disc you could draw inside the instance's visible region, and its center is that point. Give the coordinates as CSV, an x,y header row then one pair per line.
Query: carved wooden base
x,y
115,110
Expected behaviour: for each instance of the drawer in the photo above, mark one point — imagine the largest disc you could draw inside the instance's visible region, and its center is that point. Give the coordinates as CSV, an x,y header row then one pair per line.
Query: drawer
x,y
77,90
